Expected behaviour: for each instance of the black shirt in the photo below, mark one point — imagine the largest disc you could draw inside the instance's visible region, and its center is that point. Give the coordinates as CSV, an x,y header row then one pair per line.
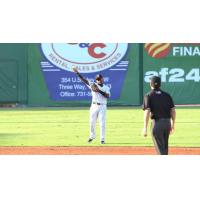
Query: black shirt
x,y
159,103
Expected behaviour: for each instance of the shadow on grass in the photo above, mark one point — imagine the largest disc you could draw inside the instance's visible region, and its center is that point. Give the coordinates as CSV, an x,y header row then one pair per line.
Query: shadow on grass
x,y
4,135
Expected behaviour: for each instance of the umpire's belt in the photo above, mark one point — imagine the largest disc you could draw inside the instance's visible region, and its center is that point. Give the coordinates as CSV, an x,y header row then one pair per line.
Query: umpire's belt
x,y
162,119
97,103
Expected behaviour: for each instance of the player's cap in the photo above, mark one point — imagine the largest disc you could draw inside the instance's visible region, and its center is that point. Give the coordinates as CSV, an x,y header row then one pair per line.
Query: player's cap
x,y
155,82
98,77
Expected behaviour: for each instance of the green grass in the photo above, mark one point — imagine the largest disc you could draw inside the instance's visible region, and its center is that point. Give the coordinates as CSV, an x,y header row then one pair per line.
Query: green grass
x,y
69,127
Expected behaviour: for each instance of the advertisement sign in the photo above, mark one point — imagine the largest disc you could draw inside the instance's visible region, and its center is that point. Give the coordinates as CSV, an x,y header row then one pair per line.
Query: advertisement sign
x,y
178,65
90,59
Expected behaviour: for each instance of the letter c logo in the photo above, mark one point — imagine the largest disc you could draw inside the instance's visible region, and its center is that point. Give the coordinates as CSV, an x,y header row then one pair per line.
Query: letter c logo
x,y
93,46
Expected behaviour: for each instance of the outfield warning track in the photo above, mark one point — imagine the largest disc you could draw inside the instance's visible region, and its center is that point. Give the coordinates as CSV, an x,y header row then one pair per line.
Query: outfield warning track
x,y
94,151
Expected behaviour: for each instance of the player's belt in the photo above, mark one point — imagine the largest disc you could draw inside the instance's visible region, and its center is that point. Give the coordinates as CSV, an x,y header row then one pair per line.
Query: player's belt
x,y
97,103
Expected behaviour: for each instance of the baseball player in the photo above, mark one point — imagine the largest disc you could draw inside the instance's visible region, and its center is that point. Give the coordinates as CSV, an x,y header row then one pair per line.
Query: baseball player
x,y
161,107
100,94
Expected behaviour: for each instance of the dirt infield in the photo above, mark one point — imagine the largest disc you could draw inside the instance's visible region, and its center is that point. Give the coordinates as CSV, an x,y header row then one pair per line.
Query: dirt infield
x,y
93,151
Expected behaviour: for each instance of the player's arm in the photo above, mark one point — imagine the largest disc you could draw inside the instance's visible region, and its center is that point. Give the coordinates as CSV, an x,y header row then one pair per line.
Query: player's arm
x,y
106,95
173,116
80,76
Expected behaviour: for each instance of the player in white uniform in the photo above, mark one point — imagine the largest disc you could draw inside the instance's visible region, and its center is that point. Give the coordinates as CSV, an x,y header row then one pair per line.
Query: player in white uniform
x,y
100,94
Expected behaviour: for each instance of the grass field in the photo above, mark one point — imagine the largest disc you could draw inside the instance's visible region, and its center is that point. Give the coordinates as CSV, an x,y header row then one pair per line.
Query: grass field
x,y
69,127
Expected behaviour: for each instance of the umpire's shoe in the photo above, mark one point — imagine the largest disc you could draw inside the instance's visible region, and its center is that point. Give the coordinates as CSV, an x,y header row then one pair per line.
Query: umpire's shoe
x,y
102,142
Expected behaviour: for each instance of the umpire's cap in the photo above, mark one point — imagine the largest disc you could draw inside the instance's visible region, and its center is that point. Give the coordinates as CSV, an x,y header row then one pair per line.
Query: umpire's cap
x,y
155,82
98,77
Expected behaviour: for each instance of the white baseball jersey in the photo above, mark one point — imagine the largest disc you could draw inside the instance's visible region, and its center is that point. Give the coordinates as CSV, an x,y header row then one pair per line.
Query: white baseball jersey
x,y
96,96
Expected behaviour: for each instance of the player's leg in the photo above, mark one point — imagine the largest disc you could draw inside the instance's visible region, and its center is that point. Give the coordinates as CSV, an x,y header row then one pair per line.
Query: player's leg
x,y
102,122
93,119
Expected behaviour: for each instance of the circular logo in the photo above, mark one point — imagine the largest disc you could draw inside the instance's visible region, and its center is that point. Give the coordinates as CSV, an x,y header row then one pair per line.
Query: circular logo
x,y
88,57
157,50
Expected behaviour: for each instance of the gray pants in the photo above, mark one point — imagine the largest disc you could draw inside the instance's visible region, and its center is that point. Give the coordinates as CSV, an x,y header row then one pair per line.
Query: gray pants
x,y
160,134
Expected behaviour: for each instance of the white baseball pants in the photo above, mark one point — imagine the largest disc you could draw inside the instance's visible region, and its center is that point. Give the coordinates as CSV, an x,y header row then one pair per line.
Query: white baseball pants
x,y
97,111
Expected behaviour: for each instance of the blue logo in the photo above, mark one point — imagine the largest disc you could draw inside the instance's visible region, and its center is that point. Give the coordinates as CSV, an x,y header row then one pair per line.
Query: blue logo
x,y
88,57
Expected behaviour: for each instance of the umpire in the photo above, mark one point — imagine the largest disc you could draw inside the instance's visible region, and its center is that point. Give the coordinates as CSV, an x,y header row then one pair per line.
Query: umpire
x,y
160,107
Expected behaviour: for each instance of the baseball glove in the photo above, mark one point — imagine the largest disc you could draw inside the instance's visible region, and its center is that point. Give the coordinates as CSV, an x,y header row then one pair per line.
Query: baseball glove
x,y
94,87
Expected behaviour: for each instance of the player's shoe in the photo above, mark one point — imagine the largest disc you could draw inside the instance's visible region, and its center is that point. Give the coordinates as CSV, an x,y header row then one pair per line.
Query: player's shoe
x,y
90,140
102,142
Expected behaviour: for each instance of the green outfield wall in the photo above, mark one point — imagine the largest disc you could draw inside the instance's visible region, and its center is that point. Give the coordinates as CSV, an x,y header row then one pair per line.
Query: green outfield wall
x,y
13,73
41,74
